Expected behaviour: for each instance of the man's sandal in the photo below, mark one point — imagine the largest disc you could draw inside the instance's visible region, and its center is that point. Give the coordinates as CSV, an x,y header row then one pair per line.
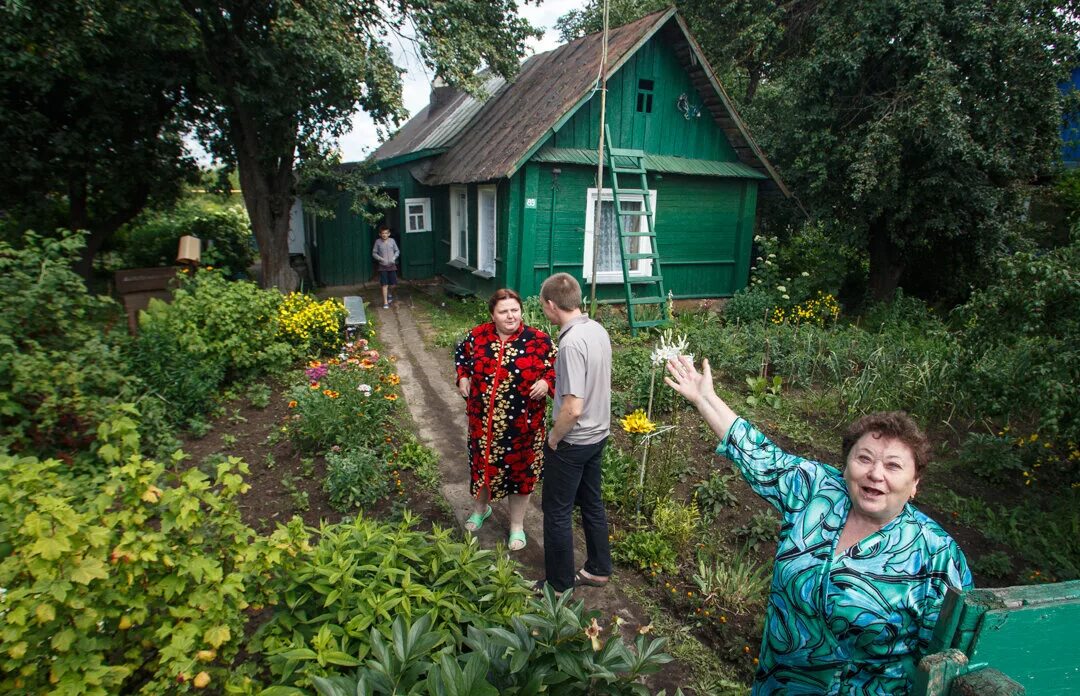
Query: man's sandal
x,y
477,520
517,541
582,579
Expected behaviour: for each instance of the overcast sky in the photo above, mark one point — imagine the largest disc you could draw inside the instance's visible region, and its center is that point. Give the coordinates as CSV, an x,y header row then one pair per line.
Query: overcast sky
x,y
417,81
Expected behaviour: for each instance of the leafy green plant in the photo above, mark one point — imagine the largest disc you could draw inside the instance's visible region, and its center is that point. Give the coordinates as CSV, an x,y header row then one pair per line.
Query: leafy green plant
x,y
618,484
258,395
312,326
990,457
299,497
355,478
415,456
126,584
198,427
676,522
764,391
228,439
556,647
715,494
152,239
362,575
645,549
735,585
996,565
762,528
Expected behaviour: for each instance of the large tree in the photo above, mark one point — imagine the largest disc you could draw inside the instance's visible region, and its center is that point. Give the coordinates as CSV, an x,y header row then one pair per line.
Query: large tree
x,y
89,91
279,81
912,126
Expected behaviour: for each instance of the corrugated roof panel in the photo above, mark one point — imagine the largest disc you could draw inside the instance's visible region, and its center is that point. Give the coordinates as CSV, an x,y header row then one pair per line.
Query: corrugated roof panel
x,y
666,164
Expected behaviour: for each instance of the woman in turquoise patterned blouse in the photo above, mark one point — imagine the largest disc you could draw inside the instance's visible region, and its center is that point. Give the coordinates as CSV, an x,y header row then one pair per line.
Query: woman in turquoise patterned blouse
x,y
860,574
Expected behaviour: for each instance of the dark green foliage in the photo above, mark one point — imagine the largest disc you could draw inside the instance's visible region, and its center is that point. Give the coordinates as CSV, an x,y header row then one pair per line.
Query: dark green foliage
x,y
991,457
152,240
1019,352
995,565
62,354
213,333
547,650
355,478
879,123
715,494
645,549
751,305
762,528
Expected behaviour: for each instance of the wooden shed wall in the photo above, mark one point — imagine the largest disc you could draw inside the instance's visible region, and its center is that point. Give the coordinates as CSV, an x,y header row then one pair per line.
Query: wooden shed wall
x,y
664,131
704,230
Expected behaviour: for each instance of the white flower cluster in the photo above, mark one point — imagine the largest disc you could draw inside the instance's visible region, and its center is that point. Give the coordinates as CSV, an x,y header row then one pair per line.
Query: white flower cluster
x,y
670,347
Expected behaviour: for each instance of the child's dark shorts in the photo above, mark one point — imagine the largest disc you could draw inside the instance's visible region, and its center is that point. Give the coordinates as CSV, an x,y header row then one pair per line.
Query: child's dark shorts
x,y
387,277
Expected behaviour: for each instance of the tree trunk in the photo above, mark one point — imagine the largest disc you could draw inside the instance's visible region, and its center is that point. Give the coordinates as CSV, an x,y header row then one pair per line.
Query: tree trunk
x,y
886,265
268,194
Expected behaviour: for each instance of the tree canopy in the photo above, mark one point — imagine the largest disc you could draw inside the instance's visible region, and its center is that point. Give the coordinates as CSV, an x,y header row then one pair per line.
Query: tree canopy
x,y
278,83
89,92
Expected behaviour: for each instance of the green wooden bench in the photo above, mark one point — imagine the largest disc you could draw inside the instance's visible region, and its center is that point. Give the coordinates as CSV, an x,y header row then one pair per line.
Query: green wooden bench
x,y
1005,641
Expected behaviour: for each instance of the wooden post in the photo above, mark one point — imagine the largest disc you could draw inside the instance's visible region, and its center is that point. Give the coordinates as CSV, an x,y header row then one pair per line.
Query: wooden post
x,y
599,165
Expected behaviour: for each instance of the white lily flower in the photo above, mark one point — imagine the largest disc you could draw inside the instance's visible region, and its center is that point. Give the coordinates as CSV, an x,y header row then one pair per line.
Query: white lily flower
x,y
670,347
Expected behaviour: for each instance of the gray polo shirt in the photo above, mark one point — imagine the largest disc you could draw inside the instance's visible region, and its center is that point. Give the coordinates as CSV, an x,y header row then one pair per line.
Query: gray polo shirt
x,y
583,369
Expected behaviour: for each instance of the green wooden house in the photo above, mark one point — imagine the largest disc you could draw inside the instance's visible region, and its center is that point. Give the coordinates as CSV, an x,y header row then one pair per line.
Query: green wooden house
x,y
499,192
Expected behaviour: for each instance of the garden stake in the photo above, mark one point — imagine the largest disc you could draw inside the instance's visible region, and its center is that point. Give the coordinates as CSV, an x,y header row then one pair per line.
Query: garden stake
x,y
645,452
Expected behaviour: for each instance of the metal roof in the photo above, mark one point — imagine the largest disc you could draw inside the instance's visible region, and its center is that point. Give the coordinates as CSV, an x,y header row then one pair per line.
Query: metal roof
x,y
667,164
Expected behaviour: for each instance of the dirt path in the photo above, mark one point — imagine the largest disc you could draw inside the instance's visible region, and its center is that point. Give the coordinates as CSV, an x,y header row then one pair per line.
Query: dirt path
x,y
428,385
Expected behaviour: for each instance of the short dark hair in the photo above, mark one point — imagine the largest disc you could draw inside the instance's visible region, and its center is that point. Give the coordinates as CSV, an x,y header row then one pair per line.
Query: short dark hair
x,y
892,424
562,289
382,227
500,295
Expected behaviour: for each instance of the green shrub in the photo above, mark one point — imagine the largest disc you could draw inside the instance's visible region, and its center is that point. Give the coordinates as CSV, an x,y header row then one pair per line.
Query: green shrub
x,y
714,495
362,575
996,565
127,584
762,528
676,522
990,457
1018,342
62,356
214,332
618,478
422,460
751,305
355,477
645,549
152,240
258,395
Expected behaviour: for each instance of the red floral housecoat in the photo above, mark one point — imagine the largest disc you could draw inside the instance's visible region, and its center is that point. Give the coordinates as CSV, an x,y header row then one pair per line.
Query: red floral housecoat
x,y
506,427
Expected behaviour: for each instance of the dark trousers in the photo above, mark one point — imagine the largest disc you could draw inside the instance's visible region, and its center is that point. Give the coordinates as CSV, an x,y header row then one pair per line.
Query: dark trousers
x,y
572,477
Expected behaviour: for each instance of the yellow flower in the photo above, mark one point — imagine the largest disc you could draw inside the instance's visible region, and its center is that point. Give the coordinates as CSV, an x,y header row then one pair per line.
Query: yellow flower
x,y
593,632
292,404
330,393
638,422
391,397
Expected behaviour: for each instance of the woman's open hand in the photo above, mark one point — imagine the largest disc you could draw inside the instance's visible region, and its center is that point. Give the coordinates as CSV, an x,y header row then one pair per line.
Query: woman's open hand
x,y
463,386
539,390
684,378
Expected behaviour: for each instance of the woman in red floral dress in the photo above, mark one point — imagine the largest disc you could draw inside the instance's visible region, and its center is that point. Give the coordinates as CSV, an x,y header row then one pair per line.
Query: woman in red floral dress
x,y
504,371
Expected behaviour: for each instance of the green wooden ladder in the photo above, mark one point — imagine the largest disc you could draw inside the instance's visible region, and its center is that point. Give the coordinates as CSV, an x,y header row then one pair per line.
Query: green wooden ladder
x,y
641,291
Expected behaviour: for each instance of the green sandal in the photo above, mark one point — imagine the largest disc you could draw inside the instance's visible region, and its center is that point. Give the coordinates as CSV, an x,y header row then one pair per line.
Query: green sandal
x,y
477,520
514,538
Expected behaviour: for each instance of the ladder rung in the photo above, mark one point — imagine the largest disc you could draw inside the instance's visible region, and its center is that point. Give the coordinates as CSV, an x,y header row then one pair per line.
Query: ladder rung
x,y
630,192
634,212
646,300
628,170
625,152
646,324
645,279
638,234
634,257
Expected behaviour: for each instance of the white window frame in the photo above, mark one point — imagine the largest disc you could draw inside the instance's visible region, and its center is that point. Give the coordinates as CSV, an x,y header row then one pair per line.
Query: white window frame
x,y
485,257
426,213
644,267
459,236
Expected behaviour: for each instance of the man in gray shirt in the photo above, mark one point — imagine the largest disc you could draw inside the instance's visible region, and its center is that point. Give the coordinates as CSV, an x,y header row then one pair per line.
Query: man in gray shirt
x,y
575,444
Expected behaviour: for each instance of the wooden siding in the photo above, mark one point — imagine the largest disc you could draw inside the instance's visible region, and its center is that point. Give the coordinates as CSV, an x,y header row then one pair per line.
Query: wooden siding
x,y
664,131
703,225
342,246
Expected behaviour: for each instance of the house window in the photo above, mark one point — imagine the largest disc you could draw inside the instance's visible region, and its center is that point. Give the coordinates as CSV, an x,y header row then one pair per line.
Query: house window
x,y
417,214
644,96
459,224
485,230
609,261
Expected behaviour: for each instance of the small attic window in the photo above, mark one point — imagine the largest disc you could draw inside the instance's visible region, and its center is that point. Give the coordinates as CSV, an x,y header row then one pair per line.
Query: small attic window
x,y
644,96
